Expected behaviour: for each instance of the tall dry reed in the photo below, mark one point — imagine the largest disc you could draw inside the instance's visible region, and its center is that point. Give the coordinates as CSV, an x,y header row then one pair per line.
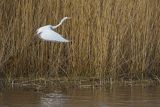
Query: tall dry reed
x,y
111,39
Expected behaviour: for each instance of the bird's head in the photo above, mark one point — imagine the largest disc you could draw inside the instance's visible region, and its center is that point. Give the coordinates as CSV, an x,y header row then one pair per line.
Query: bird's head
x,y
67,18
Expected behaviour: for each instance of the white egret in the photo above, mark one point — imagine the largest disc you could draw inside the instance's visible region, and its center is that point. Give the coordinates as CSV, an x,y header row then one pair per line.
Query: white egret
x,y
47,33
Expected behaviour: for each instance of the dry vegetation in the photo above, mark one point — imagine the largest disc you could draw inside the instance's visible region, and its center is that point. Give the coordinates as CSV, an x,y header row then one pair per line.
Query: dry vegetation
x,y
111,39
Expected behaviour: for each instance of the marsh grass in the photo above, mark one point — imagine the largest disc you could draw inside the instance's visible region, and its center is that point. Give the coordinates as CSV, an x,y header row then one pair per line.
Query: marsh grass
x,y
111,39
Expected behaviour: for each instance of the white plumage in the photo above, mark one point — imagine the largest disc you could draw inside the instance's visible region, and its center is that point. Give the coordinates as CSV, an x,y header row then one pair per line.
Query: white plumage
x,y
47,33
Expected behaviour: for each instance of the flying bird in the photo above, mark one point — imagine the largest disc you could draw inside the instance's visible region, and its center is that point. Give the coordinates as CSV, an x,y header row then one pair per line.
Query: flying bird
x,y
47,32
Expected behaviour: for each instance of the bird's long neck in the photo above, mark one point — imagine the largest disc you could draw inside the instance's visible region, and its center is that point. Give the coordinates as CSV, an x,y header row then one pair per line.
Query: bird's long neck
x,y
54,27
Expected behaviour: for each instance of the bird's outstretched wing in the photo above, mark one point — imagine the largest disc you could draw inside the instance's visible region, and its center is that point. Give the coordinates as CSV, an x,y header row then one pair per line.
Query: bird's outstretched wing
x,y
51,35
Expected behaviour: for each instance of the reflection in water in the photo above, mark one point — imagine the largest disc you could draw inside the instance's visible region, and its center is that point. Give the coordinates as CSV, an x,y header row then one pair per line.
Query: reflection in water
x,y
115,96
53,100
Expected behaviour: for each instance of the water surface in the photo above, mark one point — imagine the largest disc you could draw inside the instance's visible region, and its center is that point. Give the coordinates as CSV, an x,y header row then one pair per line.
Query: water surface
x,y
111,96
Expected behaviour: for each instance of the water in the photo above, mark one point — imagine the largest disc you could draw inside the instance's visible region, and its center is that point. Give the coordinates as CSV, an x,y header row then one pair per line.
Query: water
x,y
111,96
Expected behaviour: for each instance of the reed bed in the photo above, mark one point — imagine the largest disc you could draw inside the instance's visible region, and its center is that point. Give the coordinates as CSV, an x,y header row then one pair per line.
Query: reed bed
x,y
111,39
